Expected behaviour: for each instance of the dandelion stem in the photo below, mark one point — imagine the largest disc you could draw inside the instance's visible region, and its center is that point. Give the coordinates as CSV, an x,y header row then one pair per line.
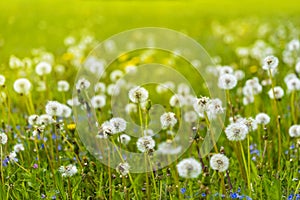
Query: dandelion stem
x,y
211,133
141,118
69,188
277,120
293,108
246,168
1,168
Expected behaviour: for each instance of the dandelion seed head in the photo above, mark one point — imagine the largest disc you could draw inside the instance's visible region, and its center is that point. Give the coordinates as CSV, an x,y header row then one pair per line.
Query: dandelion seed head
x,y
98,101
3,138
82,84
200,105
168,120
43,68
236,131
53,108
138,94
124,139
277,93
33,119
294,131
270,62
18,148
118,124
227,81
219,162
262,118
68,171
22,86
123,168
189,168
2,80
145,143
116,75
63,86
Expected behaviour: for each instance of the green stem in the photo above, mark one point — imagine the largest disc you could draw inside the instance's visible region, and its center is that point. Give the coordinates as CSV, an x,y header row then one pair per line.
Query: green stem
x,y
246,168
293,107
2,178
69,189
277,121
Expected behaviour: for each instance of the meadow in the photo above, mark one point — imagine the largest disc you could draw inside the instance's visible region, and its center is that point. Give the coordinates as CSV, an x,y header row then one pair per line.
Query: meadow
x,y
224,126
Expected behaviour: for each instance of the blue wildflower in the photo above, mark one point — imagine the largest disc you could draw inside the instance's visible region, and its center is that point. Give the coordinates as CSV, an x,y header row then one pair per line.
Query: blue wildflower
x,y
234,195
183,190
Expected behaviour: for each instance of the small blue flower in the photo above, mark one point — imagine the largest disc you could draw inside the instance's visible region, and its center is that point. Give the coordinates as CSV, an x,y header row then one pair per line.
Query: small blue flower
x,y
203,194
183,190
5,162
290,197
238,190
234,195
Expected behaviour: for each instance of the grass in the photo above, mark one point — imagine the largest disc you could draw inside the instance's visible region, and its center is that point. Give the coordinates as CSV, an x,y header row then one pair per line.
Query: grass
x,y
263,166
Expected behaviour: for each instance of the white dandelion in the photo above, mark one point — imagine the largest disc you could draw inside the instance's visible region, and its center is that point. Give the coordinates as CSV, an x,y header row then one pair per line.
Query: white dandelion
x,y
116,75
45,119
106,129
33,119
2,80
294,131
100,87
82,84
297,67
168,120
236,131
293,84
138,94
189,168
98,101
200,105
3,138
130,108
262,118
145,144
123,168
118,124
277,93
22,86
68,171
124,139
176,100
18,148
227,81
66,111
270,63
219,162
63,86
43,68
53,108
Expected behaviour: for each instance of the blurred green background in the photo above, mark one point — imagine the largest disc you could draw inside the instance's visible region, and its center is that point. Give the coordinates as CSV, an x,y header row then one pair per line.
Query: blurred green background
x,y
36,23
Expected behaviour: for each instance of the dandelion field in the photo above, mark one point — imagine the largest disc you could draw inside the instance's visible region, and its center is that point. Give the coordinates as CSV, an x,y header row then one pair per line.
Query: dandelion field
x,y
59,129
